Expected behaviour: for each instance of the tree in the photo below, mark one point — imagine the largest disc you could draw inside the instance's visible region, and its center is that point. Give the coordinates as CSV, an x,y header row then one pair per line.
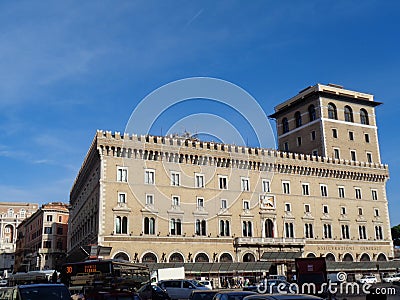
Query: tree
x,y
396,235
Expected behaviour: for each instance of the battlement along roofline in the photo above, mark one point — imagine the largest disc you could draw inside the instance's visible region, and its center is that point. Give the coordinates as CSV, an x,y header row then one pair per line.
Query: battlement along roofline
x,y
107,138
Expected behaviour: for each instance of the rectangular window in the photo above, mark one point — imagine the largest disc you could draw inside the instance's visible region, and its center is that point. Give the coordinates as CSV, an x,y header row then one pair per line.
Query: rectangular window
x,y
200,203
336,153
288,207
341,191
289,230
47,244
121,198
199,180
246,204
374,194
324,190
245,185
223,182
305,189
47,230
353,155
362,232
313,135
149,199
175,179
358,193
376,212
327,231
49,218
325,209
360,211
308,230
334,133
224,203
343,210
366,137
122,174
266,186
286,187
299,141
369,157
149,176
351,135
307,208
345,232
176,202
286,146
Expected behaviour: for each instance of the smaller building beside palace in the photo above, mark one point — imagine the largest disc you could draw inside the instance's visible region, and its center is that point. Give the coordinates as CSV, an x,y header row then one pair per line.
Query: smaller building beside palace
x,y
42,239
11,215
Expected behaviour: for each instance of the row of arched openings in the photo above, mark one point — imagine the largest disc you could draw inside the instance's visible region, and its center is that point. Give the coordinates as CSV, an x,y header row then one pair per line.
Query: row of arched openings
x,y
348,114
332,114
349,257
150,257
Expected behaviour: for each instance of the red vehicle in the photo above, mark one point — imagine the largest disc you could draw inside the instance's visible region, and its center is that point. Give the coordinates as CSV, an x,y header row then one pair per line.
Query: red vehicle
x,y
311,274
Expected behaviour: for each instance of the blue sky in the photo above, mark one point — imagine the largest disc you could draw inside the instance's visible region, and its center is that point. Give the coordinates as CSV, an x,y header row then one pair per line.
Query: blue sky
x,y
68,68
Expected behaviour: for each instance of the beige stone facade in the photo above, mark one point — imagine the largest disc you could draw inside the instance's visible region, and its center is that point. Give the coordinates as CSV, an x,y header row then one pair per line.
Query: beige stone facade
x,y
175,199
11,215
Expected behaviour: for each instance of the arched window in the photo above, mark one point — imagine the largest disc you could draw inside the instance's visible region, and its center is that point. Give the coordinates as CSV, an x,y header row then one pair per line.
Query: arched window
x,y
311,113
297,117
364,117
149,258
347,257
249,257
330,257
365,257
176,227
176,257
348,114
121,255
285,125
225,257
201,257
269,229
332,112
201,227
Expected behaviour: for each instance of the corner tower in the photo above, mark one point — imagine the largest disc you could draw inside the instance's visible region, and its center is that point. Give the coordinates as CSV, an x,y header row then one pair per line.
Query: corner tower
x,y
329,121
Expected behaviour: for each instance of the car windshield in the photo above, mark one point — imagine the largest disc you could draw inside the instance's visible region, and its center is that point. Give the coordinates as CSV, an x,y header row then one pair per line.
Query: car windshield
x,y
196,283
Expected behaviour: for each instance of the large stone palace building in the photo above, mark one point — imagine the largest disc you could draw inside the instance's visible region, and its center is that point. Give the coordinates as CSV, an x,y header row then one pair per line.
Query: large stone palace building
x,y
177,199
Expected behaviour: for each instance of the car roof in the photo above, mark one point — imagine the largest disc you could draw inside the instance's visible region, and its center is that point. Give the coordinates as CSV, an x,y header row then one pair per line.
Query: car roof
x,y
237,292
283,297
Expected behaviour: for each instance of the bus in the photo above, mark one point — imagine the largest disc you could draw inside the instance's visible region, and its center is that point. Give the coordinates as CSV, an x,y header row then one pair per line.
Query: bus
x,y
43,276
107,273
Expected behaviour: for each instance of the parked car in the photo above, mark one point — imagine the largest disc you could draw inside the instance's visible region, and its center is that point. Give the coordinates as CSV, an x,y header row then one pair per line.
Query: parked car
x,y
232,295
152,292
111,295
35,291
202,294
207,284
180,288
282,297
368,279
392,278
270,286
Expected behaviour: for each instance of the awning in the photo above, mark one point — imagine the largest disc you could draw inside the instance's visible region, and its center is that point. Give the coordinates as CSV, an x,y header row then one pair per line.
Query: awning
x,y
352,266
280,255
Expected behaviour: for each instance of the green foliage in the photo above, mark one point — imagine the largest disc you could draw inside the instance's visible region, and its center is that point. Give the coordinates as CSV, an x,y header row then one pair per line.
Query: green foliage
x,y
396,235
